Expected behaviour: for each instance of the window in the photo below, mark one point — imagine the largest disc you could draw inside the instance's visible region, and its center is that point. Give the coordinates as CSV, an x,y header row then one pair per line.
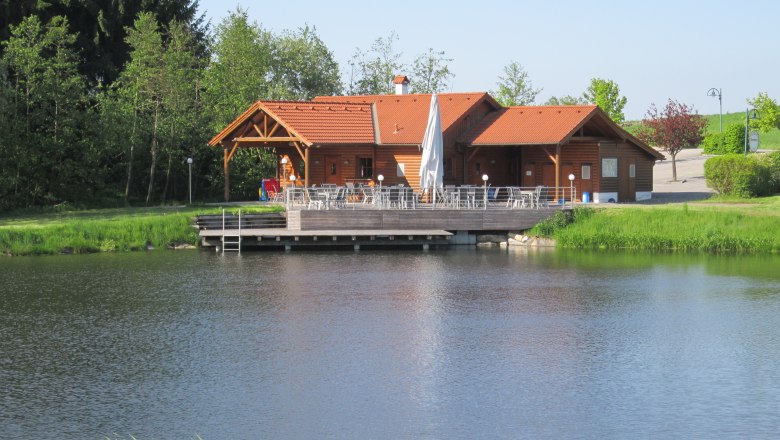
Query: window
x,y
400,172
447,167
632,170
609,167
586,172
333,169
365,168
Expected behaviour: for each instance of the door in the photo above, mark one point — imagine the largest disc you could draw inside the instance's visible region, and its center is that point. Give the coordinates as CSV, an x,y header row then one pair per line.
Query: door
x,y
586,182
528,178
548,175
566,169
627,181
333,170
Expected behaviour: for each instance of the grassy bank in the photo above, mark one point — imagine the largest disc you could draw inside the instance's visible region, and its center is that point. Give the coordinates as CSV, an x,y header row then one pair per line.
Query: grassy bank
x,y
104,230
738,227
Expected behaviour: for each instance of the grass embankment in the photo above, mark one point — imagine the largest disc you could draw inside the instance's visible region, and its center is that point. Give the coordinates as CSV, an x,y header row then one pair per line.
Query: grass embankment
x,y
734,226
103,230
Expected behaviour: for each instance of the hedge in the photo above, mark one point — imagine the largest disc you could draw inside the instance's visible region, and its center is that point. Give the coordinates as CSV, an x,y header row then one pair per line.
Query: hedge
x,y
740,175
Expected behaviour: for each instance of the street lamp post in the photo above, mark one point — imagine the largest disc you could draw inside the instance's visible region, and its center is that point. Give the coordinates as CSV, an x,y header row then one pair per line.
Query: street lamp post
x,y
749,115
380,178
284,169
484,180
571,189
189,188
719,94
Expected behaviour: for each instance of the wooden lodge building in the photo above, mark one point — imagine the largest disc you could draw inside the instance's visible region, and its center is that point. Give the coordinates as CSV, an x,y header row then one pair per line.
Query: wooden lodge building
x,y
341,139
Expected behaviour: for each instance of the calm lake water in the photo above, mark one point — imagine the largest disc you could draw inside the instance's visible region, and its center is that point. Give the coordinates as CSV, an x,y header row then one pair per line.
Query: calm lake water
x,y
444,344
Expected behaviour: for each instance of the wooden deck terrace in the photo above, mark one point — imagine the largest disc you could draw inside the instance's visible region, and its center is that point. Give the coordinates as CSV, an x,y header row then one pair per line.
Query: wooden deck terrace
x,y
364,228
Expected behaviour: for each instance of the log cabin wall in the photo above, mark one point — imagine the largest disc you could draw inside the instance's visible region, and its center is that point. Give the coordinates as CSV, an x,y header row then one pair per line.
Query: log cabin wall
x,y
399,165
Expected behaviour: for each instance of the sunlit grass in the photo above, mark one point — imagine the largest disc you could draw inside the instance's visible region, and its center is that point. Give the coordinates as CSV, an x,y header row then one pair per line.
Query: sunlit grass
x,y
707,228
104,230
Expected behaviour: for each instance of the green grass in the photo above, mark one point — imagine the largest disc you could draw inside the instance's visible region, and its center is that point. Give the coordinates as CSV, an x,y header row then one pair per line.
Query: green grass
x,y
709,227
103,230
768,141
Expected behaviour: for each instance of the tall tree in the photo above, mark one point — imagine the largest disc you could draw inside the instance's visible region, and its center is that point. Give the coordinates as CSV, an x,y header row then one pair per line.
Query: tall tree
x,y
239,75
49,112
515,87
142,84
373,70
303,66
675,127
240,71
606,94
768,111
565,100
430,72
99,26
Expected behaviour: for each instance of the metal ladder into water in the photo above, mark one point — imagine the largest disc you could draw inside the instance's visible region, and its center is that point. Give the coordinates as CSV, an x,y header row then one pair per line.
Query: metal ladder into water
x,y
231,242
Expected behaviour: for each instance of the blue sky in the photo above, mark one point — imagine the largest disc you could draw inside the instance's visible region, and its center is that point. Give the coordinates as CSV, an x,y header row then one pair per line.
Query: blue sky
x,y
654,50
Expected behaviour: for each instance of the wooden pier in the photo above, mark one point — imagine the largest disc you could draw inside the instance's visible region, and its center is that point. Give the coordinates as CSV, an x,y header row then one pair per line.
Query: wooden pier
x,y
362,228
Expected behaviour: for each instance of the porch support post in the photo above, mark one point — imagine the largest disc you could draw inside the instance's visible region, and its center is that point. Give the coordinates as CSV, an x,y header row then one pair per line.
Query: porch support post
x,y
306,166
557,170
226,166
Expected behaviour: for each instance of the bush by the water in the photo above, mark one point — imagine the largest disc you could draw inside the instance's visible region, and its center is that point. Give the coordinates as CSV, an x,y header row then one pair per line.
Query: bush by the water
x,y
732,140
740,175
561,219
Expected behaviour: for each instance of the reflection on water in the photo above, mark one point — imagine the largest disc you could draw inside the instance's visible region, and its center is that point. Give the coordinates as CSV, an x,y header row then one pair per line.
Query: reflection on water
x,y
451,344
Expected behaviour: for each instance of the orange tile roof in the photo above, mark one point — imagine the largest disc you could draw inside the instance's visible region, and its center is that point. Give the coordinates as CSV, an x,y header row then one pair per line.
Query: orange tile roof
x,y
402,118
313,122
539,125
400,79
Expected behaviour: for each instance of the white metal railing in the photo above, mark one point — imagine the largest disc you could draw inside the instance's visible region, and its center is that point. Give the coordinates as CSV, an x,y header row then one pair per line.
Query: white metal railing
x,y
447,197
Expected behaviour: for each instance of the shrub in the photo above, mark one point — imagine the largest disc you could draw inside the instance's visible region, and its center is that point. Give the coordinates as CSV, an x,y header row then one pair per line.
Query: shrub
x,y
738,175
773,162
732,140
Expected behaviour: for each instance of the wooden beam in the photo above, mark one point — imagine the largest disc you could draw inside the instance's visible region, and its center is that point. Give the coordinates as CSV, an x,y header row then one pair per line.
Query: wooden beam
x,y
298,147
226,169
552,157
266,139
232,151
557,170
257,129
274,128
474,153
306,167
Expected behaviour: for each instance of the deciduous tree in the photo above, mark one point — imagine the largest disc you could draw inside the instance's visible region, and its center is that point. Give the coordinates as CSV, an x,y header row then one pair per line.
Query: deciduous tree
x,y
606,94
373,70
430,72
566,100
768,111
515,87
303,66
675,127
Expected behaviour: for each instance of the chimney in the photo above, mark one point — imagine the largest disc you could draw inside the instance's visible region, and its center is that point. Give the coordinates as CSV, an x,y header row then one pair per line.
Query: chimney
x,y
401,83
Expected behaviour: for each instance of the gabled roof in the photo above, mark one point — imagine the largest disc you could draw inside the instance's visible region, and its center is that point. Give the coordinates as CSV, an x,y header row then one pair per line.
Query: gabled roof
x,y
312,122
528,125
402,118
543,125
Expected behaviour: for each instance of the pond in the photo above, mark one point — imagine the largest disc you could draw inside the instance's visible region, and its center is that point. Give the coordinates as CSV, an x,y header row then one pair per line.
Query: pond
x,y
389,344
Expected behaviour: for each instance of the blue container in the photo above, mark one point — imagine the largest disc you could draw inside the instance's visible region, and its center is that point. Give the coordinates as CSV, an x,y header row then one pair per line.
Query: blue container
x,y
586,197
263,192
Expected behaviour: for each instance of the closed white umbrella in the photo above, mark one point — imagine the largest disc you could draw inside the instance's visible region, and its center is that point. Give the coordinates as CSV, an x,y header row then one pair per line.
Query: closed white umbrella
x,y
432,162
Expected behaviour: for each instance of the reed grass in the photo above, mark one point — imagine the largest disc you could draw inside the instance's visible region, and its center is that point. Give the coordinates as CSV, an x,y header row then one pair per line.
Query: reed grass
x,y
105,230
700,228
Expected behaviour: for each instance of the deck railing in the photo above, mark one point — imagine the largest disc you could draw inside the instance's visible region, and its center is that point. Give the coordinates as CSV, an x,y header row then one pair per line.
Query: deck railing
x,y
447,197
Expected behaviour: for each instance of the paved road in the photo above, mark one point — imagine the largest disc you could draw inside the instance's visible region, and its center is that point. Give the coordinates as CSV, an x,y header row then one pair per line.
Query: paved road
x,y
690,185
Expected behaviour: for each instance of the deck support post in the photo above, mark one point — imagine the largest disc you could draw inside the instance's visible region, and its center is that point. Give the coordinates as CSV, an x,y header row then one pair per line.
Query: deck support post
x,y
557,170
306,167
227,174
